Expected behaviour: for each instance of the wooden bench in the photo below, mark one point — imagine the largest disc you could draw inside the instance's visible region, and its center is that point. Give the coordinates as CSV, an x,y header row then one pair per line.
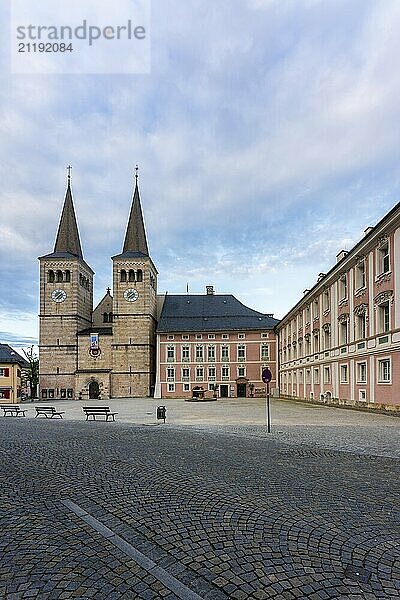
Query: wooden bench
x,y
92,411
13,410
48,411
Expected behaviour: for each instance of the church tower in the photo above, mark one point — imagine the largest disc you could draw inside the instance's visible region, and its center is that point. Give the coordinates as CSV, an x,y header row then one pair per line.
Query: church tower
x,y
134,311
66,304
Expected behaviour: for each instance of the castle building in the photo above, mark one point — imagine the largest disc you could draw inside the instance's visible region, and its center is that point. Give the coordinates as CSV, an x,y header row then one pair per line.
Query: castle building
x,y
123,347
342,338
213,345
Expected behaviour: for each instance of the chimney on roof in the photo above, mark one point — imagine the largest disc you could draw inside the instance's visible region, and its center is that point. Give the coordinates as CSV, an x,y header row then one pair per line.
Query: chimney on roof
x,y
368,230
341,255
209,290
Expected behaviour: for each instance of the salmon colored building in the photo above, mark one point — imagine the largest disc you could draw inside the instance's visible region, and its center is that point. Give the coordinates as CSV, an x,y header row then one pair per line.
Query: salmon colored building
x,y
341,341
213,346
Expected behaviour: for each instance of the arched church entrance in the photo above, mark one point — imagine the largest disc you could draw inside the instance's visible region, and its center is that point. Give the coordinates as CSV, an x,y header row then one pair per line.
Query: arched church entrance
x,y
94,390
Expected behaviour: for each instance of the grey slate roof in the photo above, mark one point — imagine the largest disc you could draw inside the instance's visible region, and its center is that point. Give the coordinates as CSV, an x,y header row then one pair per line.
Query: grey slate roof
x,y
217,312
10,356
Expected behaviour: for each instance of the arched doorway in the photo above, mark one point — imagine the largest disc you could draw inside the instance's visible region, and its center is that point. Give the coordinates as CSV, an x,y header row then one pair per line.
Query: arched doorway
x,y
94,390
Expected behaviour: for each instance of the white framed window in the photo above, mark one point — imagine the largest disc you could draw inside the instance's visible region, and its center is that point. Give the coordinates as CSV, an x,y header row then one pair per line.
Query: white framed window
x,y
327,374
316,375
224,353
171,337
225,373
360,275
362,372
171,387
343,287
225,336
211,353
241,371
326,300
315,308
170,373
185,353
185,336
241,352
384,317
185,373
344,374
186,387
241,336
211,336
211,373
199,353
384,370
199,336
343,332
383,258
199,373
308,376
170,353
265,335
362,395
361,326
210,387
264,353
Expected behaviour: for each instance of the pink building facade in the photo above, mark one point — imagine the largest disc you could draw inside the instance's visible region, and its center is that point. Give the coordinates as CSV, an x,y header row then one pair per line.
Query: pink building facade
x,y
213,346
341,341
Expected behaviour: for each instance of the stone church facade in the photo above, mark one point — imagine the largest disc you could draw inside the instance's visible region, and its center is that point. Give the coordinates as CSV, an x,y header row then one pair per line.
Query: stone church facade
x,y
108,351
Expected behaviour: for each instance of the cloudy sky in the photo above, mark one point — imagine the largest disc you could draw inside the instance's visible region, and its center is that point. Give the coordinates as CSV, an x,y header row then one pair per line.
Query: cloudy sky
x,y
267,135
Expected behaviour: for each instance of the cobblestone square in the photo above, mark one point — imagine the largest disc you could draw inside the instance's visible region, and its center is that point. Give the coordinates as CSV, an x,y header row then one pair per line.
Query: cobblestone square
x,y
201,509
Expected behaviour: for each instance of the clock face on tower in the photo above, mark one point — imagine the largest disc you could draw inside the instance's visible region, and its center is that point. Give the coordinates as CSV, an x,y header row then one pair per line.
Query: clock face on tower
x,y
131,295
58,295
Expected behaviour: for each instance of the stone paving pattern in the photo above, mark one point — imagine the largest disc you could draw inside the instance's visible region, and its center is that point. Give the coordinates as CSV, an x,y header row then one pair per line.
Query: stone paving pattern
x,y
228,511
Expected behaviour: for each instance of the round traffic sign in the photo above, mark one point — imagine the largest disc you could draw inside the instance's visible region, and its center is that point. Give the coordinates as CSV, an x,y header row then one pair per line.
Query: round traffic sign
x,y
266,375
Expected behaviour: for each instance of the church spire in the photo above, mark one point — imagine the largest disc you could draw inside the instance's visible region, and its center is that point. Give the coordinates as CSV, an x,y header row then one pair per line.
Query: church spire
x,y
135,237
68,236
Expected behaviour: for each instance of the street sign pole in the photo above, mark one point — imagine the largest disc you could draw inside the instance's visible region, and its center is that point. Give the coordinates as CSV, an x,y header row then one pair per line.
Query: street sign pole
x,y
268,407
266,377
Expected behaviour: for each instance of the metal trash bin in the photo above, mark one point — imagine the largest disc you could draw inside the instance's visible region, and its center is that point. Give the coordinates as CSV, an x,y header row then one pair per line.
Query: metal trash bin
x,y
161,412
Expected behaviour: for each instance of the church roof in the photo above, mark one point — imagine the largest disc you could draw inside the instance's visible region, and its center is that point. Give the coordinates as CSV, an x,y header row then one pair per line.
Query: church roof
x,y
68,236
219,312
135,236
68,244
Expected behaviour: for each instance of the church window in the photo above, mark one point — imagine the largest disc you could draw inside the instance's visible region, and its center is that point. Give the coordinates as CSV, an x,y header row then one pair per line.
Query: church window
x,y
110,317
59,276
123,275
140,275
131,275
50,276
67,276
105,318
